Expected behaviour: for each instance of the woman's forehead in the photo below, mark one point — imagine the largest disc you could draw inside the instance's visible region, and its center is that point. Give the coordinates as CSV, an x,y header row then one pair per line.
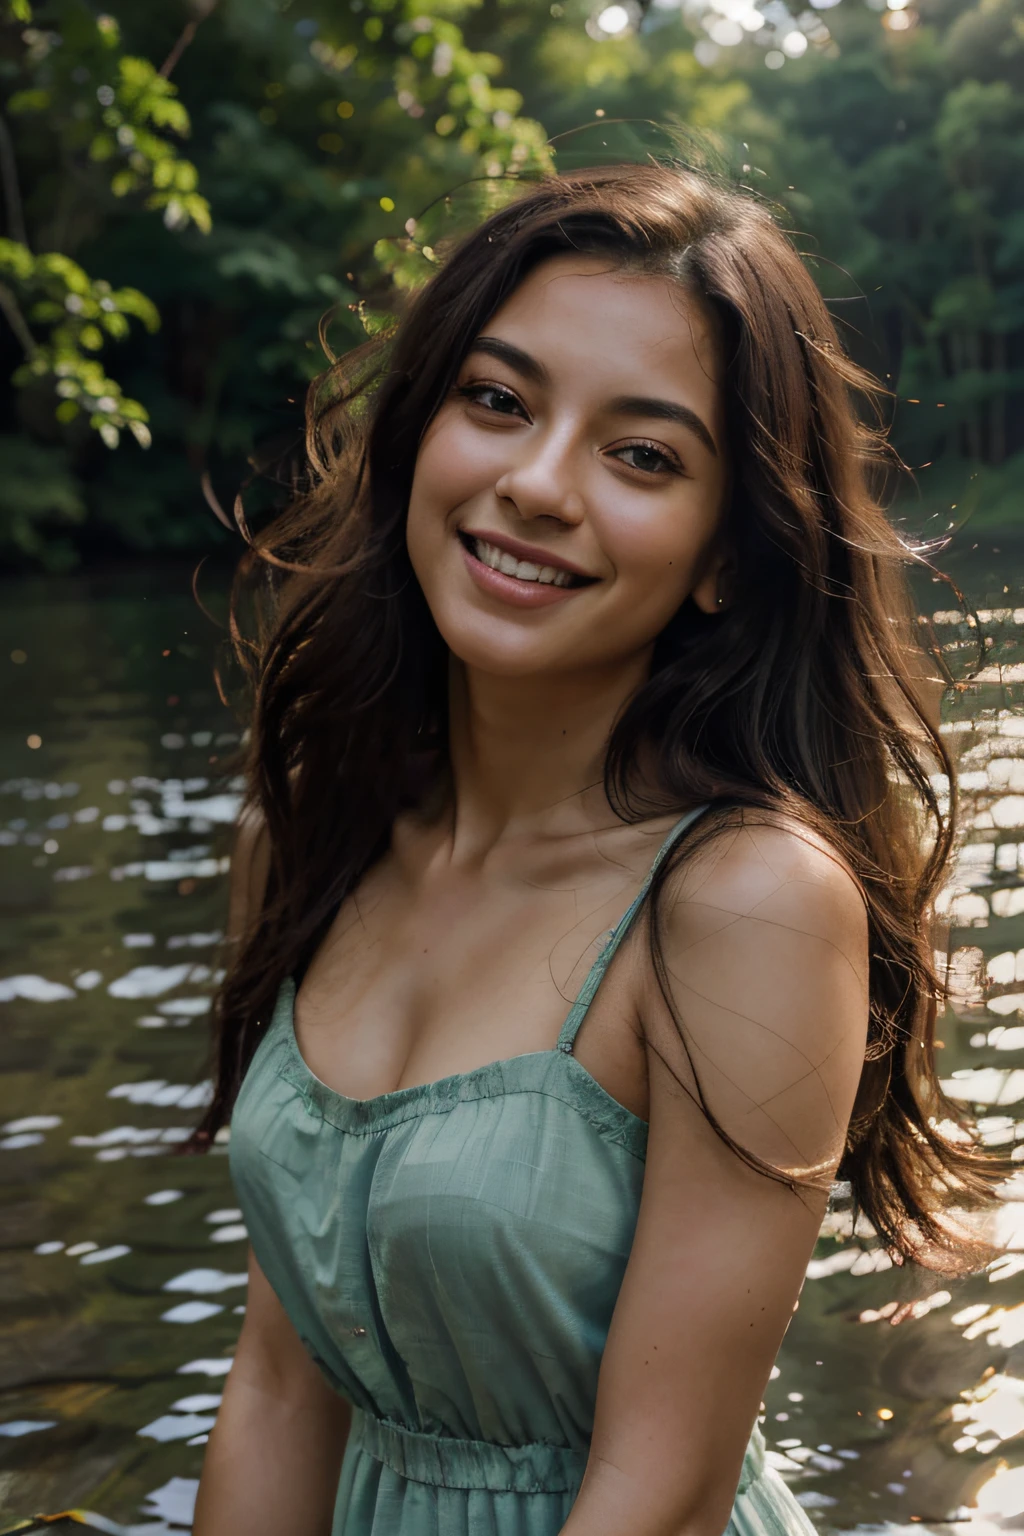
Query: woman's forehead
x,y
583,319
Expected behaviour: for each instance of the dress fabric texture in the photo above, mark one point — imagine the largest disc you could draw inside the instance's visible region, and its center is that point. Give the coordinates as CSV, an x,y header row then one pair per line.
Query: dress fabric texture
x,y
450,1255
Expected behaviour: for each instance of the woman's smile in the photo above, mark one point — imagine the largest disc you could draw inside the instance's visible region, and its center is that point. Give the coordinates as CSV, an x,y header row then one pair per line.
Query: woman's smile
x,y
514,572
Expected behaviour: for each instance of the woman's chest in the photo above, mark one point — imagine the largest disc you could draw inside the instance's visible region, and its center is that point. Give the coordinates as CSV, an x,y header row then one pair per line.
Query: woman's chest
x,y
414,985
466,1241
522,1179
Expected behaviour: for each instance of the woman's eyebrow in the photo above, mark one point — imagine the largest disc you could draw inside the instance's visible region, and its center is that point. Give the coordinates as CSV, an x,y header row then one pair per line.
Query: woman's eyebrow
x,y
625,405
525,365
664,410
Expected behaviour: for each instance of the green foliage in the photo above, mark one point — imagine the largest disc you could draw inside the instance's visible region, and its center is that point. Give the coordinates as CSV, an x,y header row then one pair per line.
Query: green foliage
x,y
924,144
77,314
62,317
322,139
40,499
144,102
121,122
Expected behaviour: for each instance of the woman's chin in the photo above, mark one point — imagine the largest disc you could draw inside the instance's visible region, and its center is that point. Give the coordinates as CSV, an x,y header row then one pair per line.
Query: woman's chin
x,y
504,660
501,648
574,638
522,657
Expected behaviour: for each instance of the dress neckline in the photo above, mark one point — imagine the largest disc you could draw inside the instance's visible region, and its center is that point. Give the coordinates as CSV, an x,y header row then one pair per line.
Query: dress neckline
x,y
554,1073
452,1087
438,1086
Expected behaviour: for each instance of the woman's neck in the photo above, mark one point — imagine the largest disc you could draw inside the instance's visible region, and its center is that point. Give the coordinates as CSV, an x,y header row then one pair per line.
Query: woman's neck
x,y
528,753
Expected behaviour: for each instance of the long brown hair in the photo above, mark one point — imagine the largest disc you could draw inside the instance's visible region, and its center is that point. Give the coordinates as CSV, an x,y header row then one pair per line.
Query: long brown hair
x,y
805,698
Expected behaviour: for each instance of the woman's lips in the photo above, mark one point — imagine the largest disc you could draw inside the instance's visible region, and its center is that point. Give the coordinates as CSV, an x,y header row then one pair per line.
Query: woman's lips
x,y
531,554
510,589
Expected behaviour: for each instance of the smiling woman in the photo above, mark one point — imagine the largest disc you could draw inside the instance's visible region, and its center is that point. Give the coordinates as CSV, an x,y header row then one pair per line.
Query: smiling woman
x,y
580,905
550,415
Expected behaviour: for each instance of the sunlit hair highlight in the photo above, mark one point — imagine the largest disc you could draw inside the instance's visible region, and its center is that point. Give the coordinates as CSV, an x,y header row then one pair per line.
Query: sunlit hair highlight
x,y
808,699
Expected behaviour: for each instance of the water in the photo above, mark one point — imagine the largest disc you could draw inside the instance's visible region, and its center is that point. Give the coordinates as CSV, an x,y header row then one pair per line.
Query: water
x,y
112,882
899,1398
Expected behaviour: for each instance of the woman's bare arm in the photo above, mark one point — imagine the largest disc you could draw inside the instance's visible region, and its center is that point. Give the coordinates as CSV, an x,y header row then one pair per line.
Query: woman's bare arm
x,y
766,950
274,1455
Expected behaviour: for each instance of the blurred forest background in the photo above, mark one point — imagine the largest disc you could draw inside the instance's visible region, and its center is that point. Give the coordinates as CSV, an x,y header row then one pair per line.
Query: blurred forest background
x,y
187,186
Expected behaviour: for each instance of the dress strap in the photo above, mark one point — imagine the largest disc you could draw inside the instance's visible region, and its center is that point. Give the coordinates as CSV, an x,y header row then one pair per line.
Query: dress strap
x,y
615,936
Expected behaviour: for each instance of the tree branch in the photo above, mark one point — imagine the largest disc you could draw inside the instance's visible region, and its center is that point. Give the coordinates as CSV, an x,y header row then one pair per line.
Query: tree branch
x,y
188,33
16,320
12,190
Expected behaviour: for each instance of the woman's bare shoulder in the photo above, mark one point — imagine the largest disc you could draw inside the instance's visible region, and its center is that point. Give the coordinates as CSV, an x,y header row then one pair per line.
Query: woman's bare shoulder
x,y
770,863
764,941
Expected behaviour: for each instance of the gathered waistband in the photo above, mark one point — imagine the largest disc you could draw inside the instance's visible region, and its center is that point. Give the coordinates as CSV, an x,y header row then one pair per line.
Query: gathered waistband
x,y
447,1462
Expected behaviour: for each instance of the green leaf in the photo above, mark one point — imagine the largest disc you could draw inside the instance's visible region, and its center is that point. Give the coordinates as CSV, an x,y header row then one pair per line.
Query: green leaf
x,y
115,325
36,100
109,31
131,302
16,260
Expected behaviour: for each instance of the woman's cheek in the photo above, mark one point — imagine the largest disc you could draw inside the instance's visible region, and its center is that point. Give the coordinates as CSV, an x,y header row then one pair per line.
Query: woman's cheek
x,y
435,465
435,490
655,553
456,461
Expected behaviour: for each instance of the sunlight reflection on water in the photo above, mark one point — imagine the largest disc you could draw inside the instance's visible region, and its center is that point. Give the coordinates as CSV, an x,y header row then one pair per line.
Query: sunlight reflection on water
x,y
898,1401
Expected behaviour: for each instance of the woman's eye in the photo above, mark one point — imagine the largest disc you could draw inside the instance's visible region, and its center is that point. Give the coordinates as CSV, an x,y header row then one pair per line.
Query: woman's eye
x,y
493,398
645,457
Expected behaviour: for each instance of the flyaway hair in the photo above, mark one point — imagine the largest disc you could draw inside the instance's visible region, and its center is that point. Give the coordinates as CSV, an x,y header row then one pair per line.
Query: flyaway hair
x,y
809,698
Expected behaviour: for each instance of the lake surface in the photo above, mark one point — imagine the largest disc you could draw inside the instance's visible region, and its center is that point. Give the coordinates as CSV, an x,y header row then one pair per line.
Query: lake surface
x,y
899,1398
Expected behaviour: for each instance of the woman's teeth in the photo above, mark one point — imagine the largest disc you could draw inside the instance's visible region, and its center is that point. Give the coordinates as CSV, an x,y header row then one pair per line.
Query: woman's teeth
x,y
522,570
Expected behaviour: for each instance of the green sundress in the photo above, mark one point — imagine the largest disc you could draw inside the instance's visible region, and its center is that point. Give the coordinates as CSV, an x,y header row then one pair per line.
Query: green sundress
x,y
450,1255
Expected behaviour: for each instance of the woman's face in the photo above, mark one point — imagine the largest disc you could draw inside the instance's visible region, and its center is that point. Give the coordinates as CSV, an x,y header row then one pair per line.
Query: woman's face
x,y
568,495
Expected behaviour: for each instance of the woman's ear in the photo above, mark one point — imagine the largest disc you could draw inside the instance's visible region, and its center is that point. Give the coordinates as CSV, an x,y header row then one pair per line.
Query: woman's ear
x,y
713,592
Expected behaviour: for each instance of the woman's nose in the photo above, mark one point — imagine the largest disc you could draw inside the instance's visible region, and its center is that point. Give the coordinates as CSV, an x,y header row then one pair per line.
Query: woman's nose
x,y
544,480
